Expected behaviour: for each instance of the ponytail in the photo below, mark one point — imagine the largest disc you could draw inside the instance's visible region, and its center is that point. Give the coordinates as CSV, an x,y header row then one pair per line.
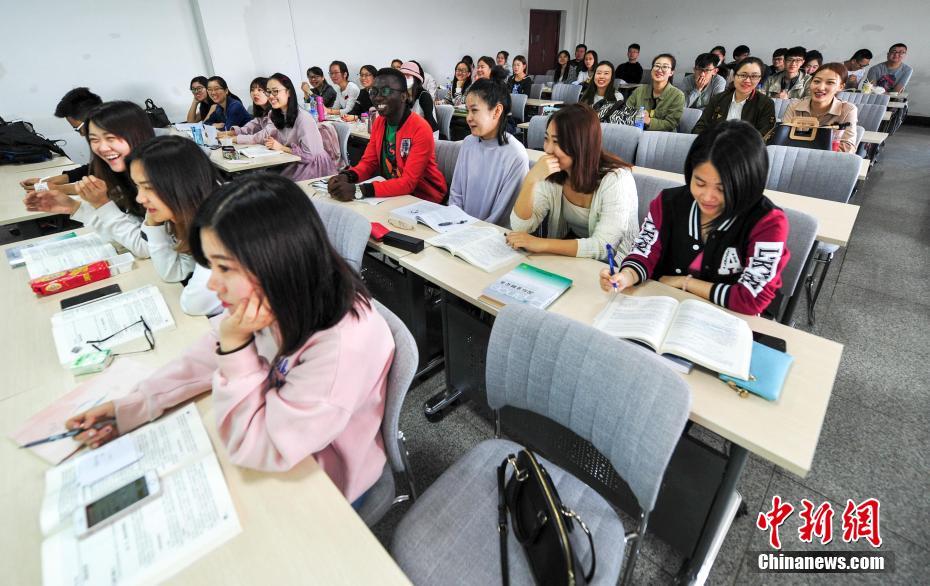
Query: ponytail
x,y
494,91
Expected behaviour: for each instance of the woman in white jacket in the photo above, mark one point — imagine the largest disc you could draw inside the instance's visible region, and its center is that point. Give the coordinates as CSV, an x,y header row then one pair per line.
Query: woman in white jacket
x,y
588,193
173,177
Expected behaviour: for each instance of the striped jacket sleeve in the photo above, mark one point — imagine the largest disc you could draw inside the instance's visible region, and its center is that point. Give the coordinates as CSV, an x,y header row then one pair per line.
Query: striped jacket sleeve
x,y
646,249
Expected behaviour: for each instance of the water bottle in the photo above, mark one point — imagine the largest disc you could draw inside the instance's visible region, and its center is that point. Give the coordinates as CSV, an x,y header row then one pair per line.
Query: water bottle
x,y
516,88
835,140
867,87
320,109
197,133
311,108
366,122
640,120
372,116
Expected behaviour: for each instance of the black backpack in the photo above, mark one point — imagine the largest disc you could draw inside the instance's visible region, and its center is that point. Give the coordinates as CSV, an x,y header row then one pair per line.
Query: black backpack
x,y
20,144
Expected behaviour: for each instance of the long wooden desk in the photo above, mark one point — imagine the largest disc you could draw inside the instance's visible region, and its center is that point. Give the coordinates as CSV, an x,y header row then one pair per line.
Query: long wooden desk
x,y
296,526
895,105
250,164
873,137
835,219
12,209
886,115
540,103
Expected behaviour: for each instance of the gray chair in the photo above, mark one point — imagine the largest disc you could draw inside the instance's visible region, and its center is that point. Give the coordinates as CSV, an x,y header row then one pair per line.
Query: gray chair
x,y
539,366
164,131
689,118
870,116
781,106
447,155
621,140
442,93
648,187
814,173
518,106
444,119
664,150
536,90
342,132
802,234
348,231
860,98
567,93
547,78
384,492
550,73
536,133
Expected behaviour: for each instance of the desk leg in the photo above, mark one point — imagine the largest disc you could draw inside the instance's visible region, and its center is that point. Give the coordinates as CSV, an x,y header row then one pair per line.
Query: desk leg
x,y
726,504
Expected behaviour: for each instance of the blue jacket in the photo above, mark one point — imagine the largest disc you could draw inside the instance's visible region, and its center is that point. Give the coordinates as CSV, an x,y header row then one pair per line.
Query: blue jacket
x,y
235,114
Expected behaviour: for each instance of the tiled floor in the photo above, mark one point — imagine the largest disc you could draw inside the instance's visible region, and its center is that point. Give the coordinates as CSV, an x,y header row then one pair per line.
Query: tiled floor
x,y
876,435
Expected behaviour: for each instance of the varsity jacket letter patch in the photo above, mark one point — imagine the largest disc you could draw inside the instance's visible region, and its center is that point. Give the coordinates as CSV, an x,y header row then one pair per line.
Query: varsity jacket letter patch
x,y
761,267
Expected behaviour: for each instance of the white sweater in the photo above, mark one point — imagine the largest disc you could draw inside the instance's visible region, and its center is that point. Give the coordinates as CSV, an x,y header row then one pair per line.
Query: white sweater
x,y
613,218
113,224
173,267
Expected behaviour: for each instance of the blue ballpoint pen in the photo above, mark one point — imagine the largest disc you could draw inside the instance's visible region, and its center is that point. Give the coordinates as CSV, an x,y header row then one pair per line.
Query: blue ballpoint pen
x,y
54,438
610,262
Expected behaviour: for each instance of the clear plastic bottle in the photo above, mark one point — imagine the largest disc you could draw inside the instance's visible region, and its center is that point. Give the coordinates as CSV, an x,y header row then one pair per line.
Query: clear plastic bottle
x,y
366,122
372,116
640,120
311,108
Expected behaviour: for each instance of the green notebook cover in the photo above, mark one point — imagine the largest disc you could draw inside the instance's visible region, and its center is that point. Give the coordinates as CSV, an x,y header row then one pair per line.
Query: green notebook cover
x,y
528,285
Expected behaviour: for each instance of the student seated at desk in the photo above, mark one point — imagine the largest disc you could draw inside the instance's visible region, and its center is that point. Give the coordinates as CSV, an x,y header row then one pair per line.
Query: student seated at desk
x,y
704,84
484,67
261,109
717,237
601,92
857,66
366,75
826,107
421,102
792,83
742,101
227,110
200,107
588,194
346,91
401,150
316,86
519,82
73,107
812,62
565,72
298,363
108,196
292,130
586,69
491,163
664,103
892,74
460,83
173,177
778,63
631,71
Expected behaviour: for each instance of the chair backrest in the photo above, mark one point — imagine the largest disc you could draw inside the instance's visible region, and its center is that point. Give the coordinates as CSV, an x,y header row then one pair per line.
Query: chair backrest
x,y
536,90
348,231
444,119
543,78
689,117
621,140
870,116
551,73
442,93
403,369
554,366
802,233
860,132
536,133
781,106
664,150
815,173
447,154
342,132
568,93
648,187
518,106
860,98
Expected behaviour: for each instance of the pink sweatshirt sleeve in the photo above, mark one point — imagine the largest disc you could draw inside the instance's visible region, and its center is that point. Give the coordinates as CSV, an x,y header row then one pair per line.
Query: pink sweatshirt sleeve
x,y
172,384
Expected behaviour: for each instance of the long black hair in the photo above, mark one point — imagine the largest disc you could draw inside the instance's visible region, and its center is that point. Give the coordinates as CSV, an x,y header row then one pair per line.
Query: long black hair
x,y
738,153
182,176
492,92
287,120
561,71
225,86
129,122
273,230
455,81
610,92
204,107
260,83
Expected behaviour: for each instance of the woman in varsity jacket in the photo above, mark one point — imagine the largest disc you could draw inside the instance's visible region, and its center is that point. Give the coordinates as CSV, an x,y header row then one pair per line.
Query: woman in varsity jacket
x,y
718,236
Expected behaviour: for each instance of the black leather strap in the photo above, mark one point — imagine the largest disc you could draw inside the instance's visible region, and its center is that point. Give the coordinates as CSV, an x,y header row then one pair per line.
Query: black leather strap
x,y
502,522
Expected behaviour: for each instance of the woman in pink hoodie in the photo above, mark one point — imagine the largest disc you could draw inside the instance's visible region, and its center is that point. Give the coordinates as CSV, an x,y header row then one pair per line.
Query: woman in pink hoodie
x,y
298,362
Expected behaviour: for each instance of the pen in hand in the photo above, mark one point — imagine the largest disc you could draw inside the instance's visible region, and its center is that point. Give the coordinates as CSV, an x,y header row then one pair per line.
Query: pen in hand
x,y
451,223
76,431
610,262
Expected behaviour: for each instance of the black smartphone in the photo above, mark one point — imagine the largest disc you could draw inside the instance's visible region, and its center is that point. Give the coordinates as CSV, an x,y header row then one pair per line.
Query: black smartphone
x,y
770,341
94,295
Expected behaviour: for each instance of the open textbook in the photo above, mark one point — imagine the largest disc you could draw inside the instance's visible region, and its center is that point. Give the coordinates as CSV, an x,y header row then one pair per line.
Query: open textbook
x,y
60,255
440,218
192,515
691,329
72,329
486,248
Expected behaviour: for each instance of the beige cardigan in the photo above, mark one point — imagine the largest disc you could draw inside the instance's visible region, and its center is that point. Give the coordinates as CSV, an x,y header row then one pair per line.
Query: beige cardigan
x,y
613,219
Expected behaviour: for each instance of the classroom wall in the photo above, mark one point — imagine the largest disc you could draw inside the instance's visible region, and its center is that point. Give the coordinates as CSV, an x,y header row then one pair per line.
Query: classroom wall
x,y
123,49
835,29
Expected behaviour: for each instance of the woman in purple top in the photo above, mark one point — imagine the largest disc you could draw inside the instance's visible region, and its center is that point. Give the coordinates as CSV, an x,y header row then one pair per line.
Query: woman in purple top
x,y
291,130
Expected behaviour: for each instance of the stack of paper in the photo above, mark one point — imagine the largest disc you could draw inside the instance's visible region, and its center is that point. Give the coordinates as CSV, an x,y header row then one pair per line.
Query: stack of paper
x,y
60,255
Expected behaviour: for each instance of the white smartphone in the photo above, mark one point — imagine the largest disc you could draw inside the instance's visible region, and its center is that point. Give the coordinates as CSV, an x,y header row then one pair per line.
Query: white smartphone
x,y
114,505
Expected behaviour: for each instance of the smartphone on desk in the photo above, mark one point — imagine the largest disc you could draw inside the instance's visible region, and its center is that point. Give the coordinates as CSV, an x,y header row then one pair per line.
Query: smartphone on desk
x,y
94,295
110,507
770,341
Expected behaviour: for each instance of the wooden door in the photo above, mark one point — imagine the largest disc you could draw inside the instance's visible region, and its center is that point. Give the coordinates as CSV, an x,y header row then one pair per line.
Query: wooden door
x,y
544,40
